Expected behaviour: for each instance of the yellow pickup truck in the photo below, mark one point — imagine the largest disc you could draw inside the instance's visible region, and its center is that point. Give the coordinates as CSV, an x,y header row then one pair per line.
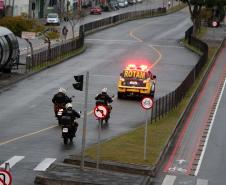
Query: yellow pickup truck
x,y
136,81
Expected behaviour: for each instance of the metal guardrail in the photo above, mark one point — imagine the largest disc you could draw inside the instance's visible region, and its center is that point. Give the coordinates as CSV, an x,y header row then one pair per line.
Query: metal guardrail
x,y
45,58
168,102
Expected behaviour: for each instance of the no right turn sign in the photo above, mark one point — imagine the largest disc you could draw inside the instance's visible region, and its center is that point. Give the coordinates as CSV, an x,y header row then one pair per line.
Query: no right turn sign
x,y
5,177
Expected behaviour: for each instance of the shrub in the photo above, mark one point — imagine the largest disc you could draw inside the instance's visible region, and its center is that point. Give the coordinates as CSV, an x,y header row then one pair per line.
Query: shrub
x,y
18,24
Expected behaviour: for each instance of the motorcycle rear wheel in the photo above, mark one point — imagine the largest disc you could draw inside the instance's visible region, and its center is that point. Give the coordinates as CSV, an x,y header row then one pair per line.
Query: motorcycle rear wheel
x,y
71,139
65,140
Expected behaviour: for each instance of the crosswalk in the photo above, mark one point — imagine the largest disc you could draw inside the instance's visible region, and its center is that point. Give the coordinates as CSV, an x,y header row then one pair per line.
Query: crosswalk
x,y
44,163
41,166
174,180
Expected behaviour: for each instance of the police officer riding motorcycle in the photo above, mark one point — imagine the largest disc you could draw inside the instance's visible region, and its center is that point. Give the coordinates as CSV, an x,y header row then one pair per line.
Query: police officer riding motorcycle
x,y
104,99
60,99
68,123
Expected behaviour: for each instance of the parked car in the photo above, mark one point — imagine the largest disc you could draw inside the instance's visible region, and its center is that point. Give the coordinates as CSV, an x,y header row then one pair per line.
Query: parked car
x,y
114,5
95,10
53,18
131,2
122,3
126,3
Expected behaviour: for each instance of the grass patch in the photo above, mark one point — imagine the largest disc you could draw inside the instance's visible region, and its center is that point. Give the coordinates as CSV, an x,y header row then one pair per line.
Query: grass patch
x,y
201,32
129,146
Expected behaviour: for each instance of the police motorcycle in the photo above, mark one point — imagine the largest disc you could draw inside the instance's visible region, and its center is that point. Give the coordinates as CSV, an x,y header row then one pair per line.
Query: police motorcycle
x,y
60,109
69,128
109,108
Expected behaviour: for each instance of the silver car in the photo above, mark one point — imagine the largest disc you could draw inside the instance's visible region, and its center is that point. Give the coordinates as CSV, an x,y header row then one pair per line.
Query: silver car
x,y
122,3
53,18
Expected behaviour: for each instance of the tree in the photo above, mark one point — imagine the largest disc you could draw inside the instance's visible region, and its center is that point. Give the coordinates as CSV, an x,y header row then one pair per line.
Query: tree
x,y
195,8
74,18
217,8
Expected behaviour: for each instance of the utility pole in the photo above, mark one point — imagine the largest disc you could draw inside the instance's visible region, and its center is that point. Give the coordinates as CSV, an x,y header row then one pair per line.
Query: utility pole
x,y
13,7
84,123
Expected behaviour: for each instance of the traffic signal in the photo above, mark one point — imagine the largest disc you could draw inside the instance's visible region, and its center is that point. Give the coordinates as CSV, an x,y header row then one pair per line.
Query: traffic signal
x,y
79,82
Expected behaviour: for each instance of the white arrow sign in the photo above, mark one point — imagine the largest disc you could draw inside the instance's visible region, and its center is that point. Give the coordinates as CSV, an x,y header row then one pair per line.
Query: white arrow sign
x,y
100,111
5,177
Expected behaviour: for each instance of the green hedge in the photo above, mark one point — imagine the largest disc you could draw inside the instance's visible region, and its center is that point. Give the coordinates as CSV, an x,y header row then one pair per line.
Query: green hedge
x,y
18,24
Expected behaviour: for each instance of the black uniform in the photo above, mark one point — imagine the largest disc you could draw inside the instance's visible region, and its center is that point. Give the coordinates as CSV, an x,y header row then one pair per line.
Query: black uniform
x,y
73,115
60,98
105,97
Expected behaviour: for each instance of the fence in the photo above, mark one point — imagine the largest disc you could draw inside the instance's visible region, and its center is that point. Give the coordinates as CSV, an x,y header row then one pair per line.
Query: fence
x,y
166,103
45,58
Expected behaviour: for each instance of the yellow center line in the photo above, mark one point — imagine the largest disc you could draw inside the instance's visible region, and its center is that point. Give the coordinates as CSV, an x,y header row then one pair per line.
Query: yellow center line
x,y
131,34
26,135
32,133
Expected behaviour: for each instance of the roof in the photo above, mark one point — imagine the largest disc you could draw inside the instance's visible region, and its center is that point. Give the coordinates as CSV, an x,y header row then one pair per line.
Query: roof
x,y
4,31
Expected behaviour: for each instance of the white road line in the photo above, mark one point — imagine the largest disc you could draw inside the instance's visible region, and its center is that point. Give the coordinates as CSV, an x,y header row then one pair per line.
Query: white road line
x,y
44,164
109,76
105,40
202,182
209,131
166,46
169,180
12,161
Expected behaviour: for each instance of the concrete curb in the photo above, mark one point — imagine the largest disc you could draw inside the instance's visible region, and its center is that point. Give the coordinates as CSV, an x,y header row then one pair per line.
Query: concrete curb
x,y
65,174
112,166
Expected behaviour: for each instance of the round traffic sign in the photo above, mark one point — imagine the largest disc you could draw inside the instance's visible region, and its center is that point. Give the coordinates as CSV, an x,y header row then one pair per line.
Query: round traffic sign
x,y
100,111
147,103
214,23
5,177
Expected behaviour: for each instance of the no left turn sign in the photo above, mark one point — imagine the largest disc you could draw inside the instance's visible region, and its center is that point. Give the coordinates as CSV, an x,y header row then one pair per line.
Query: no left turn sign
x,y
5,177
147,103
100,111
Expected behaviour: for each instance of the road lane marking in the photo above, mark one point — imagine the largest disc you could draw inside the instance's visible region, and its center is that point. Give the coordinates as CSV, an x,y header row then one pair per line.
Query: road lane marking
x,y
209,131
169,180
202,182
26,135
34,133
12,161
44,164
110,76
131,33
107,40
132,41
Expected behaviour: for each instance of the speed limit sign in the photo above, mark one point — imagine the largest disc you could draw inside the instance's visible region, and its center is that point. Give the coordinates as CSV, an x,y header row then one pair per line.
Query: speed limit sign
x,y
147,103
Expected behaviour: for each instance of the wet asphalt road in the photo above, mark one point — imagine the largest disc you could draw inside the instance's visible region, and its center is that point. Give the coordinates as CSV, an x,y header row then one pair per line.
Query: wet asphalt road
x,y
26,107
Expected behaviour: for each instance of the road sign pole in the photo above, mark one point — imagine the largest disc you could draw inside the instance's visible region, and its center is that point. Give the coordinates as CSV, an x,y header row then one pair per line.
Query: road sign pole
x,y
146,104
98,145
145,135
84,122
